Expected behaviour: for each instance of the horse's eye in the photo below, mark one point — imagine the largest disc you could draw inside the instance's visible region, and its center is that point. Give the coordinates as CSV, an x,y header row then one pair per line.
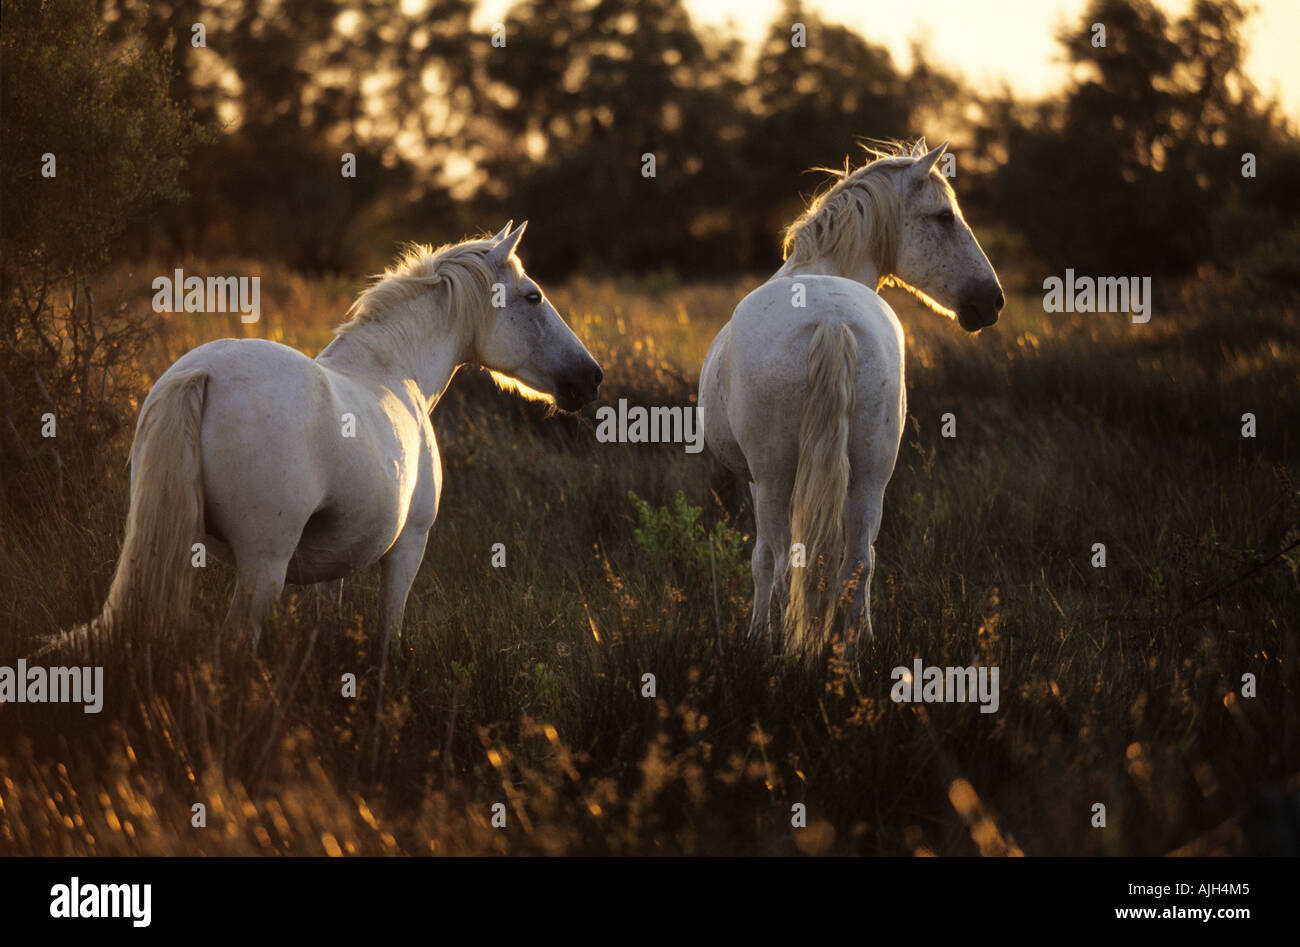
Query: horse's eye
x,y
946,216
534,298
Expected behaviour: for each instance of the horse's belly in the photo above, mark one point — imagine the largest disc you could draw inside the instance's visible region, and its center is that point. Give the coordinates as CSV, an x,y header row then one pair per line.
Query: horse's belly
x,y
332,546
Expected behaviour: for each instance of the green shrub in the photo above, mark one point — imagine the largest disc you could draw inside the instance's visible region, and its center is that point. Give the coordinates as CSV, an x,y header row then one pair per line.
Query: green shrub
x,y
675,542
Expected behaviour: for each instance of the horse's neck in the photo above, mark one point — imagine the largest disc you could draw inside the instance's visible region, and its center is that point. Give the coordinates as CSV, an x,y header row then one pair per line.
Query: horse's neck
x,y
404,345
868,275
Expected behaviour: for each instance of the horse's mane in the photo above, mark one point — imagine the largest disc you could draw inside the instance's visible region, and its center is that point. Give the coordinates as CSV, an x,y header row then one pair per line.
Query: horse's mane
x,y
856,219
463,268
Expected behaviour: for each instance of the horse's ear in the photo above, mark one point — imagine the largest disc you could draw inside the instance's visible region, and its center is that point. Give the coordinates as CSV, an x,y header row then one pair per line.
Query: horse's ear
x,y
501,235
506,245
927,161
919,148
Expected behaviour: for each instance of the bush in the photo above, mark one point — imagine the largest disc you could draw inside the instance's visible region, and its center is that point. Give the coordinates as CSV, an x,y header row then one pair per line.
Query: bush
x,y
676,543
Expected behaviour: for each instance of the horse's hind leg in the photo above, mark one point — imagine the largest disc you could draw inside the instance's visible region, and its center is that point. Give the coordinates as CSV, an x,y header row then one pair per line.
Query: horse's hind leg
x,y
329,603
866,508
771,554
761,564
257,588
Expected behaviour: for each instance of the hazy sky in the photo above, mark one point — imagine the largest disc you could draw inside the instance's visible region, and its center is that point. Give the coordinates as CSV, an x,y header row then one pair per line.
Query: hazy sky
x,y
993,40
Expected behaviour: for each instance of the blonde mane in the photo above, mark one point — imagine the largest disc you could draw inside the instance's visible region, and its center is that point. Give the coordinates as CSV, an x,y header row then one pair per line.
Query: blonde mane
x,y
462,268
856,220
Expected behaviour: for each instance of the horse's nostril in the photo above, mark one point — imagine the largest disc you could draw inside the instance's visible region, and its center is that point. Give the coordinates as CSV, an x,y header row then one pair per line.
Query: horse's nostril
x,y
597,377
1000,301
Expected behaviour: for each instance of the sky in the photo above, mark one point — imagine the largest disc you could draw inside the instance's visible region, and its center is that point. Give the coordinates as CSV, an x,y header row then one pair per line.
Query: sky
x,y
992,41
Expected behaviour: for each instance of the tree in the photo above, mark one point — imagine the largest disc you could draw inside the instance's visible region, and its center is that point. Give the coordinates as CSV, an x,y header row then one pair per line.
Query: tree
x,y
93,141
1138,170
297,85
581,95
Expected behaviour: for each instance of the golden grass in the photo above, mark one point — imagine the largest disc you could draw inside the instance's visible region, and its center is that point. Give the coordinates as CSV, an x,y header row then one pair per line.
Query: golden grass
x,y
523,686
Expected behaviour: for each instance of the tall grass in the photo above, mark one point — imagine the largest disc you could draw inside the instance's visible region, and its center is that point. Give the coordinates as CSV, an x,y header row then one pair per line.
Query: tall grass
x,y
524,685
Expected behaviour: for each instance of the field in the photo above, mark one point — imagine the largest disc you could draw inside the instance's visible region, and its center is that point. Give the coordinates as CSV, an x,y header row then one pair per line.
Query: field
x,y
523,685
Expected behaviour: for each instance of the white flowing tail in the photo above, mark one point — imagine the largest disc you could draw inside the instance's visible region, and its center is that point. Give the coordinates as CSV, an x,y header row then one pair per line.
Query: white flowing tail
x,y
154,579
821,485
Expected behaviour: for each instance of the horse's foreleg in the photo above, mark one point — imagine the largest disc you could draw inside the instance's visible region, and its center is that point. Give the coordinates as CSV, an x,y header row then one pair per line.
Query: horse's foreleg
x,y
397,572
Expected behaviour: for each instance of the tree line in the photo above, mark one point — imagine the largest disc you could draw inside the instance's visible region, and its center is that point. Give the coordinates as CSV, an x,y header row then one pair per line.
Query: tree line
x,y
205,128
1137,166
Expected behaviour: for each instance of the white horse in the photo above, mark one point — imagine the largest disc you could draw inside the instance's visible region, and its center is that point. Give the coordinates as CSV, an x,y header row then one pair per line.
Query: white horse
x,y
802,391
310,469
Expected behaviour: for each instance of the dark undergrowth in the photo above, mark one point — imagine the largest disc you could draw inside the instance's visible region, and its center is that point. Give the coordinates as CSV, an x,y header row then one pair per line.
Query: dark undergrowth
x,y
524,685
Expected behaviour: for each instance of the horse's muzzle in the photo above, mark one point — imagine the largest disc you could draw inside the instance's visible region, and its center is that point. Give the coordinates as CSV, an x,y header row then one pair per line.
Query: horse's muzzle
x,y
579,387
980,310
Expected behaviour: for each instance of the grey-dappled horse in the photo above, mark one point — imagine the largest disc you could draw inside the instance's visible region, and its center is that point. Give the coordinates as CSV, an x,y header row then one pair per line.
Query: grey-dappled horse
x,y
308,470
802,391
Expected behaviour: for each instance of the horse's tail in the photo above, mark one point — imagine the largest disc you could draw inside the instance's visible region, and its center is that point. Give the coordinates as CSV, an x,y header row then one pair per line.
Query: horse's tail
x,y
154,579
821,484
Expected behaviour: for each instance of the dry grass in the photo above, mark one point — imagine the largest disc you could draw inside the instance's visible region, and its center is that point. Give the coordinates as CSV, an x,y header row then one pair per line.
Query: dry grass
x,y
522,685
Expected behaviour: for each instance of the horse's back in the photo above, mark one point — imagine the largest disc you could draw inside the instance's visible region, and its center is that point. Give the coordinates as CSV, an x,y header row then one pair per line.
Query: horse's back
x,y
774,324
264,400
255,369
767,361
